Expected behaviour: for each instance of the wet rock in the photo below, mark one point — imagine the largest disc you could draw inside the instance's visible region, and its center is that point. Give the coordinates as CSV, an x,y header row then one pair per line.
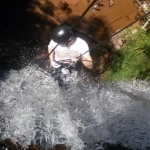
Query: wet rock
x,y
8,144
64,6
59,147
33,147
115,43
111,3
96,5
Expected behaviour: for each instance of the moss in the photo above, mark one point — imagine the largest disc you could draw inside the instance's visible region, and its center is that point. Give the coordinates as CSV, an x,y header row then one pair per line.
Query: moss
x,y
133,60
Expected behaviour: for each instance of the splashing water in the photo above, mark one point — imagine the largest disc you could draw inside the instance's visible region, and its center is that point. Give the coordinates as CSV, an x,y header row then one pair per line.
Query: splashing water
x,y
34,110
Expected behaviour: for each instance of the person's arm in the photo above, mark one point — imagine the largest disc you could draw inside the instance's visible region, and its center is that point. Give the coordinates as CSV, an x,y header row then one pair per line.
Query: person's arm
x,y
87,61
51,56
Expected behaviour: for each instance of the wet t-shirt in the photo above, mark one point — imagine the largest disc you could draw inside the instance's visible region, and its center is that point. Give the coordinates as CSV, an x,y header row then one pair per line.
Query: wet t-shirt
x,y
63,52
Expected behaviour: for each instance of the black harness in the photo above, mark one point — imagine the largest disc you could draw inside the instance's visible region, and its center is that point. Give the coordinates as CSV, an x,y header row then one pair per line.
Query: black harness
x,y
61,73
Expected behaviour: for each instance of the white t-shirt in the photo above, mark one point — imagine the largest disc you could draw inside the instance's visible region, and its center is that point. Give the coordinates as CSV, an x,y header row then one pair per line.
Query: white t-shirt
x,y
63,53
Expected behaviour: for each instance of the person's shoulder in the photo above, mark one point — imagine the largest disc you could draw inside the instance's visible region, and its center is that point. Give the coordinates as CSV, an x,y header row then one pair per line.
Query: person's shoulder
x,y
81,41
52,43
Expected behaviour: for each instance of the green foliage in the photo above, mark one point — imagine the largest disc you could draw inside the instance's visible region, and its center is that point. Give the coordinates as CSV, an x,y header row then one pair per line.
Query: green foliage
x,y
133,60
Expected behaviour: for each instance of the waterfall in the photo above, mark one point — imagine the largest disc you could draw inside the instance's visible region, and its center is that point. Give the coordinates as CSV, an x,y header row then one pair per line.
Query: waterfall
x,y
34,110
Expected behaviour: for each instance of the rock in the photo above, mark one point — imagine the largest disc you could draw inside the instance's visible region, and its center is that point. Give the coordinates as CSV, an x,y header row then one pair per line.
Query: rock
x,y
115,43
111,3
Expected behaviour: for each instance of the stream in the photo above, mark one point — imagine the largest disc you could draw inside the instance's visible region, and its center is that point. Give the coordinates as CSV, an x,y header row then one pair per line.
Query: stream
x,y
34,110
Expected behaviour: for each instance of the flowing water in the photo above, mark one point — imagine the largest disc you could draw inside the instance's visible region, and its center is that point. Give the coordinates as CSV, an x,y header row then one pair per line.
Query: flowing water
x,y
34,110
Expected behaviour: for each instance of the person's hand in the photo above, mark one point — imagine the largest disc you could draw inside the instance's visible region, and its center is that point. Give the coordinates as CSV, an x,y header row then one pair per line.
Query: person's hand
x,y
55,64
75,59
51,64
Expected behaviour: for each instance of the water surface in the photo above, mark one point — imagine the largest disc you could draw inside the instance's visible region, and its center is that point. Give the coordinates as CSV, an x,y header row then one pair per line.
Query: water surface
x,y
34,110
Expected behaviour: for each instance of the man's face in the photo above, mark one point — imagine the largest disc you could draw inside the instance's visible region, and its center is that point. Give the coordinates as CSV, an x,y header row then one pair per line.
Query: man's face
x,y
67,42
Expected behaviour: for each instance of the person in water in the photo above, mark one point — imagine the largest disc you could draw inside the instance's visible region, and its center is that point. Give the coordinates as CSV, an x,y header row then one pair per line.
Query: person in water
x,y
69,49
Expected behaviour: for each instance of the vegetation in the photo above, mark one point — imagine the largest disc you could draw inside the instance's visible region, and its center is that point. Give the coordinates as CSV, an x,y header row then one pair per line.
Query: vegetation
x,y
133,60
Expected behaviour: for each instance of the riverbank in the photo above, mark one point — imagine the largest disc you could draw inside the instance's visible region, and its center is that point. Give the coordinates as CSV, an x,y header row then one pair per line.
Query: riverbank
x,y
132,60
